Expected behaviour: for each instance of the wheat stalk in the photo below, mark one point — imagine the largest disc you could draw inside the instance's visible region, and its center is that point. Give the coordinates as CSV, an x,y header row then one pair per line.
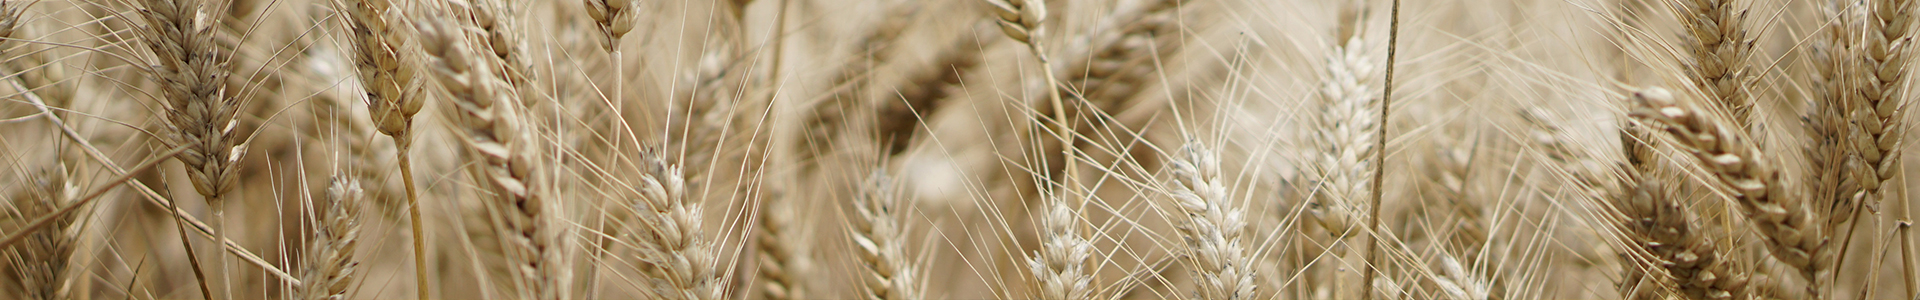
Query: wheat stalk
x,y
880,240
489,127
1792,235
674,252
1212,226
1059,268
41,265
331,266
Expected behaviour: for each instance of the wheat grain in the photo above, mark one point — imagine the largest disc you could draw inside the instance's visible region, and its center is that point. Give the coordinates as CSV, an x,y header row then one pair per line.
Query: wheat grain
x,y
526,250
1663,229
1212,226
1792,235
330,264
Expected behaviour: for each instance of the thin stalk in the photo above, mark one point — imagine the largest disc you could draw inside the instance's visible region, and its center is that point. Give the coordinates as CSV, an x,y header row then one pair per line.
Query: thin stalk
x,y
1063,127
1380,155
1903,216
413,212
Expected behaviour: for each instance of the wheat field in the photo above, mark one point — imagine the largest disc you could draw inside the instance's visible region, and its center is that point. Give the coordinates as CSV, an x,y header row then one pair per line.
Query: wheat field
x,y
962,149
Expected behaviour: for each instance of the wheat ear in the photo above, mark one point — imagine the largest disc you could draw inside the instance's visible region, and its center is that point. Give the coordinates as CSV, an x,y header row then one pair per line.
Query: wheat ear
x,y
1060,267
1791,233
780,255
1662,229
1720,48
1881,112
490,129
1347,116
881,242
1828,134
392,100
1212,226
331,267
193,82
40,264
925,91
1123,59
673,249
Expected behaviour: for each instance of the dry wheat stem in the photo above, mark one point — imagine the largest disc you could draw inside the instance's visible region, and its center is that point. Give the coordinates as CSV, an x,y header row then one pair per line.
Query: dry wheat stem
x,y
880,239
40,266
674,251
1212,227
489,126
1059,268
1022,20
330,263
1380,154
1792,236
392,100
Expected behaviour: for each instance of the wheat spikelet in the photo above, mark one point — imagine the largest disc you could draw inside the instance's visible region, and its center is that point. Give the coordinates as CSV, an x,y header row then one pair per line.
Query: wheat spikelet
x,y
1792,235
1348,122
499,32
1720,48
1059,268
331,266
880,240
1213,226
673,249
613,17
489,128
40,266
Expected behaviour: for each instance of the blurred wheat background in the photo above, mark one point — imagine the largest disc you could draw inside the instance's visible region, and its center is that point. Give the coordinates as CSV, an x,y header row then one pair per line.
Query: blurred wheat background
x,y
966,149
